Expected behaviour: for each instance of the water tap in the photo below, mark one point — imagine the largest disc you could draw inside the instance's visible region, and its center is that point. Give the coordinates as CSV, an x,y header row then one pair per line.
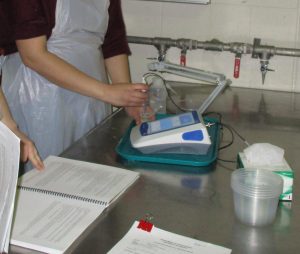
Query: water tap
x,y
162,51
264,53
264,69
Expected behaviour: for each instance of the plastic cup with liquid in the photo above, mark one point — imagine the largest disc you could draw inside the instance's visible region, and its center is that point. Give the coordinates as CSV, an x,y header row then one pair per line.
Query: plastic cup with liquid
x,y
256,195
158,96
147,113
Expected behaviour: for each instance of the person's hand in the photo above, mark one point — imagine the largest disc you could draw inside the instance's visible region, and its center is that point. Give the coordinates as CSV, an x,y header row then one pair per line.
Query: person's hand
x,y
135,113
126,94
28,150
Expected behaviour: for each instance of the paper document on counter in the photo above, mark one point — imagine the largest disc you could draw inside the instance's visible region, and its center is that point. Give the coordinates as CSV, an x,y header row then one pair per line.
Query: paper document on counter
x,y
55,206
9,168
158,241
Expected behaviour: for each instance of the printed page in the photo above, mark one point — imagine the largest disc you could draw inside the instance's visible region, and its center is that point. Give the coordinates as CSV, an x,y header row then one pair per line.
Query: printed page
x,y
9,167
138,241
88,180
50,224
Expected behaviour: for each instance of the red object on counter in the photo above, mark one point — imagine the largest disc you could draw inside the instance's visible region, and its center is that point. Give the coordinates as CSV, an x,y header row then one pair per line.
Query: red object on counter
x,y
145,225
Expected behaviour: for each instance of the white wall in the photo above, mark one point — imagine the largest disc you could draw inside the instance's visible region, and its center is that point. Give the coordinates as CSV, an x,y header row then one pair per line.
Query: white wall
x,y
276,22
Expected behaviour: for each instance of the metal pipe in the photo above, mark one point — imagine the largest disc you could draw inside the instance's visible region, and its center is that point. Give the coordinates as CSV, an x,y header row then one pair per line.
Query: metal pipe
x,y
215,45
279,51
263,52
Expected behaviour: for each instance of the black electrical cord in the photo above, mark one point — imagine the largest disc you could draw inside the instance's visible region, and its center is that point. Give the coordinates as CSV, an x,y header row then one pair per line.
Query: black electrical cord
x,y
222,125
232,136
232,132
238,134
230,161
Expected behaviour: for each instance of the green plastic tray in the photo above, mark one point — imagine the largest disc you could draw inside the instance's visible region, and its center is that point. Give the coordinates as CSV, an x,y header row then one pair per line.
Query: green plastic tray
x,y
126,151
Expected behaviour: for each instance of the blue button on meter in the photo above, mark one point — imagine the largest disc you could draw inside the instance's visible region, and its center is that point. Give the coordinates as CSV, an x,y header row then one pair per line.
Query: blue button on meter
x,y
144,129
196,135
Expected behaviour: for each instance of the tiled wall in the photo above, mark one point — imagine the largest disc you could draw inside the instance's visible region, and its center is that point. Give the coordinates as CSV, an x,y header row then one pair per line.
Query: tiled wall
x,y
276,22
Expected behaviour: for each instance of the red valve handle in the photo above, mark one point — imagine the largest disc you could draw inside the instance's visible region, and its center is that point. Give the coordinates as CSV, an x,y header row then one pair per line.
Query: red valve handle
x,y
182,59
237,64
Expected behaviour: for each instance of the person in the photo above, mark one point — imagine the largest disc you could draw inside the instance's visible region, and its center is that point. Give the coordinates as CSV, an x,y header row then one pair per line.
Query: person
x,y
57,84
28,149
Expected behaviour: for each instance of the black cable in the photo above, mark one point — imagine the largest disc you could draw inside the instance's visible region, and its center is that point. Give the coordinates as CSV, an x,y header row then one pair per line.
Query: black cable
x,y
149,74
231,130
222,125
236,132
232,136
175,104
229,127
226,160
226,167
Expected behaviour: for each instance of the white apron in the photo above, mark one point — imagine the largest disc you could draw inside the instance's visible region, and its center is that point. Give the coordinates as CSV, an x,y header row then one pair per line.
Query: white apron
x,y
51,116
2,58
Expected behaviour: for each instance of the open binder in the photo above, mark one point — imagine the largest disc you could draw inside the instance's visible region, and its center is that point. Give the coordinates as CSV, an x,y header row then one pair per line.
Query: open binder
x,y
55,206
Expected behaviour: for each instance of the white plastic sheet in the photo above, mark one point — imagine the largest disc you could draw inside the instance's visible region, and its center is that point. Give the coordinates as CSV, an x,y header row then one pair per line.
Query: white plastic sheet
x,y
50,115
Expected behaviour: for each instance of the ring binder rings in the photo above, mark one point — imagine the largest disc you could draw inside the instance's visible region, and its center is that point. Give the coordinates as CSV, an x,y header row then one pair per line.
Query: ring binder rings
x,y
64,195
56,205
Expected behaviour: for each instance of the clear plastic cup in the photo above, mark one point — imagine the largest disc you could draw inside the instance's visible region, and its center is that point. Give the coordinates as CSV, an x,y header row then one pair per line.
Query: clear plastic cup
x,y
256,194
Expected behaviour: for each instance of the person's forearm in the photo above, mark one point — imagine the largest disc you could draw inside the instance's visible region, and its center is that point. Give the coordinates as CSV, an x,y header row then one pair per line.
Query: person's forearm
x,y
118,69
35,55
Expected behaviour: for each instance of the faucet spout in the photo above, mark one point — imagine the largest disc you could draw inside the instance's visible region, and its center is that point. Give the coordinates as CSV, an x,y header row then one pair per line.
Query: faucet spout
x,y
264,69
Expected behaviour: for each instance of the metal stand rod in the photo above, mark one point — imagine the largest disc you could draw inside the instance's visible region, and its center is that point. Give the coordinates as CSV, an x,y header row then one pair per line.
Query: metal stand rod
x,y
209,100
188,72
197,74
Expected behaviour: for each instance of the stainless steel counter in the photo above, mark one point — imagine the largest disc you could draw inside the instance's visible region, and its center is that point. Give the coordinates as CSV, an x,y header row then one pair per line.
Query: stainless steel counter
x,y
197,202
